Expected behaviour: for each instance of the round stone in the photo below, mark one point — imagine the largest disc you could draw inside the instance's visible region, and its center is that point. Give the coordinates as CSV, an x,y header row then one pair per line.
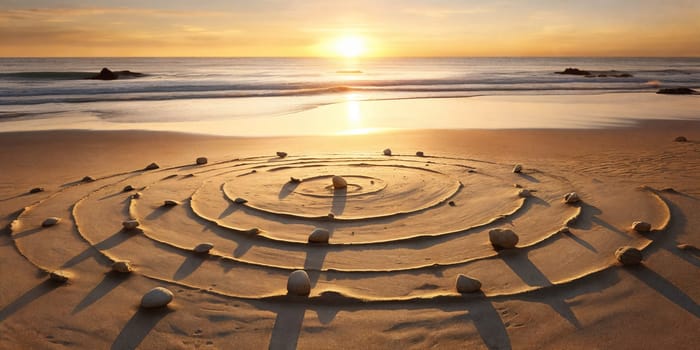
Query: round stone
x,y
36,190
466,284
339,182
503,238
629,255
319,235
524,193
420,154
88,179
156,297
681,139
387,152
203,248
122,266
128,188
202,160
517,168
50,221
641,226
571,198
281,154
299,283
130,224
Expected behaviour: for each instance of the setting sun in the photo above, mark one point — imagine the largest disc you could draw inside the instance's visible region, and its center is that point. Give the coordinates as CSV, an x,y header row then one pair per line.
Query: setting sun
x,y
350,46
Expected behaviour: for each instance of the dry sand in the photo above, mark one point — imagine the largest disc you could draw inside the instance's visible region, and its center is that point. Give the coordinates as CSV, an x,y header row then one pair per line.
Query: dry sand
x,y
400,234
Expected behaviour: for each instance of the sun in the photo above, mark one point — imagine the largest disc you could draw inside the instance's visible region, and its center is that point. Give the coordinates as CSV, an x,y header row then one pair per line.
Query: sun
x,y
350,46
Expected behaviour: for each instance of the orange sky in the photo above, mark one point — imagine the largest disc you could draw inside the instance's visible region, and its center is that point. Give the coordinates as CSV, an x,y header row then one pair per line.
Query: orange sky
x,y
389,28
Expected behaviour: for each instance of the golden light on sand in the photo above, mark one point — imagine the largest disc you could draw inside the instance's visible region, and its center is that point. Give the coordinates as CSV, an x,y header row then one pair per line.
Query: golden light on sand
x,y
350,46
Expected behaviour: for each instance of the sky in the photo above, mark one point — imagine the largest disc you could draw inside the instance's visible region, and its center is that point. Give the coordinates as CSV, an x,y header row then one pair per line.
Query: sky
x,y
394,28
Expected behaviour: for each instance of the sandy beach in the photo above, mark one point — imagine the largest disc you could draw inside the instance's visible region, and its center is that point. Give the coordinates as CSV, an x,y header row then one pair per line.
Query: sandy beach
x,y
400,233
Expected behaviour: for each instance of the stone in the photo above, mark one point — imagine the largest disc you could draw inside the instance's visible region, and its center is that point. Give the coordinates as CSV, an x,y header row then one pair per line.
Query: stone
x,y
240,200
36,190
50,221
503,238
136,195
641,226
571,198
122,266
331,216
60,276
524,193
564,230
299,283
629,255
677,91
253,231
281,154
574,71
130,224
88,179
681,139
156,297
452,203
387,152
152,166
319,235
107,74
420,154
170,203
202,161
466,284
339,182
294,180
203,248
517,168
128,188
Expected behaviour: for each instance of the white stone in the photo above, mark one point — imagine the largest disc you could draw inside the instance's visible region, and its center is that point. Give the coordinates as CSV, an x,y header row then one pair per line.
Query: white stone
x,y
387,152
524,193
641,226
156,297
50,221
203,248
339,182
503,238
130,224
517,168
202,160
629,255
299,283
122,266
466,284
319,235
571,198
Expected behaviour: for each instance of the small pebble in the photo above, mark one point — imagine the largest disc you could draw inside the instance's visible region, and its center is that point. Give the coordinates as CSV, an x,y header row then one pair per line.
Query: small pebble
x,y
240,200
156,297
122,266
451,203
420,154
202,160
517,168
130,224
281,154
339,182
136,195
681,139
319,235
88,179
36,190
170,203
524,193
299,283
59,276
152,166
641,226
503,238
629,255
387,152
466,284
128,188
331,216
294,180
50,221
571,198
203,248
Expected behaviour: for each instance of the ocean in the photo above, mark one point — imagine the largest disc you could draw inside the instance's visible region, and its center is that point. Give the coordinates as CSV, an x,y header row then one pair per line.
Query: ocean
x,y
215,89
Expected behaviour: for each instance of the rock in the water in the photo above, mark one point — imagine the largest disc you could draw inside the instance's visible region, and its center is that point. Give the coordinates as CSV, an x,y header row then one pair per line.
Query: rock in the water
x,y
156,297
202,160
130,224
503,238
88,179
36,190
107,74
128,188
641,226
339,182
203,248
319,235
281,154
60,276
420,154
629,255
466,284
122,266
152,166
240,200
571,198
50,221
170,203
299,283
681,139
677,91
517,168
574,71
387,152
524,193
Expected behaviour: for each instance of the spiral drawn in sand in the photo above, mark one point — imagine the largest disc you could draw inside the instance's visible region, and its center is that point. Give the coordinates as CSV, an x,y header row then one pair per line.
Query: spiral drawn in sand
x,y
409,222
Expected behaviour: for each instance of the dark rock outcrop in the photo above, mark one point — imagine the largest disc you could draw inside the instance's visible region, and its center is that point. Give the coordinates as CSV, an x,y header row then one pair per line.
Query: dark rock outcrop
x,y
594,74
677,91
106,74
574,71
